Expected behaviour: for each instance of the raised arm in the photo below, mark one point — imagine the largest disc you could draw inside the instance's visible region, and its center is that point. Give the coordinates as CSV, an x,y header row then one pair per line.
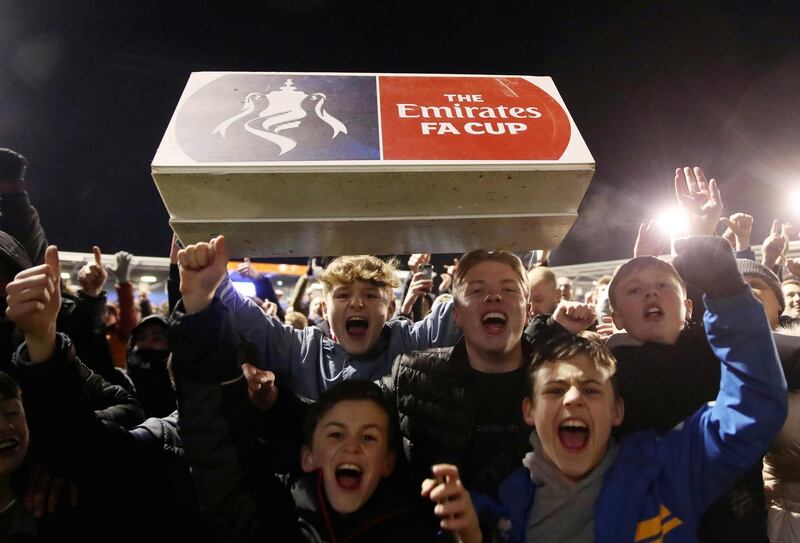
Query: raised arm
x,y
719,444
242,504
277,347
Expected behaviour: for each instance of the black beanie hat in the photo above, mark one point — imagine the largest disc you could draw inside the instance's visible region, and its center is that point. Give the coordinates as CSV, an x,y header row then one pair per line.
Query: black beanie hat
x,y
12,165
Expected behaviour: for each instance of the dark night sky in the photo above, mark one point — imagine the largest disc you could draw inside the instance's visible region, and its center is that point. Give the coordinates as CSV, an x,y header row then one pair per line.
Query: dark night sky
x,y
87,89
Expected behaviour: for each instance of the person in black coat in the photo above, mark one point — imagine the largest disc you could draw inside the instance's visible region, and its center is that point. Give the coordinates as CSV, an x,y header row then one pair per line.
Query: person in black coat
x,y
129,478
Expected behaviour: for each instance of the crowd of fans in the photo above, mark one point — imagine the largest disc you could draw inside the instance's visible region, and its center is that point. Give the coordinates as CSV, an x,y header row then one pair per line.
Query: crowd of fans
x,y
484,404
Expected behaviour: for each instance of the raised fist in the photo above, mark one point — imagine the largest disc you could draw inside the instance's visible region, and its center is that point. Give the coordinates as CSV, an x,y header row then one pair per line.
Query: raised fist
x,y
574,316
203,266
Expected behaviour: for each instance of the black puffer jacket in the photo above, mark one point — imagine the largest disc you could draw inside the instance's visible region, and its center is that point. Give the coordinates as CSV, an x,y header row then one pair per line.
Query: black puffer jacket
x,y
436,398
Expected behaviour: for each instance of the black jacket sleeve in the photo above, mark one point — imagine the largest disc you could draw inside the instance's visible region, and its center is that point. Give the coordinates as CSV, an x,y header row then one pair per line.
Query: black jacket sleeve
x,y
20,219
110,402
542,329
66,433
242,498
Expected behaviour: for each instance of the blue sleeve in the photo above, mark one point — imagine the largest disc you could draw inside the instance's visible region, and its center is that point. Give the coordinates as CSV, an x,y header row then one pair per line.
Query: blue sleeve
x,y
278,347
266,291
715,447
437,329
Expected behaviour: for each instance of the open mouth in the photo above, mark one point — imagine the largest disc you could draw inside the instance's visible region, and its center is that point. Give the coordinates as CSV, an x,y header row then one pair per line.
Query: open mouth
x,y
494,322
356,327
348,476
653,312
573,434
9,446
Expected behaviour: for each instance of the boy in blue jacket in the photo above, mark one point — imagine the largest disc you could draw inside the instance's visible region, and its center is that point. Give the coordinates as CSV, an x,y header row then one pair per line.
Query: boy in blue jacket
x,y
579,485
358,306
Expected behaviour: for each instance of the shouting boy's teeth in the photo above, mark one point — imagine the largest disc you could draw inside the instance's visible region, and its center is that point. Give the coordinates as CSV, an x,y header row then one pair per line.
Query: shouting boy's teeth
x,y
653,311
348,476
8,445
573,434
494,322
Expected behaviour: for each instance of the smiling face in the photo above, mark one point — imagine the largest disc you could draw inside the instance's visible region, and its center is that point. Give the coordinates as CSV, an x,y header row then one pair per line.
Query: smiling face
x,y
573,409
791,295
351,447
650,305
491,306
13,435
356,313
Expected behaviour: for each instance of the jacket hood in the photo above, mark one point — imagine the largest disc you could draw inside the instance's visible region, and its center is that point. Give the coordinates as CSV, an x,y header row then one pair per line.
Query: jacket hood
x,y
147,321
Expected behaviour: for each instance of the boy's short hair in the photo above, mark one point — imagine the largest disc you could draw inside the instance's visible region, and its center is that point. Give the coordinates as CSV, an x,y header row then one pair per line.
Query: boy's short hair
x,y
349,269
296,319
9,388
568,346
473,258
356,390
641,263
541,274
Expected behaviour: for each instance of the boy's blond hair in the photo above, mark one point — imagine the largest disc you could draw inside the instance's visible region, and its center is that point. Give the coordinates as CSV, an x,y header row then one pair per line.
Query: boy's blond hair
x,y
542,274
349,269
296,319
637,264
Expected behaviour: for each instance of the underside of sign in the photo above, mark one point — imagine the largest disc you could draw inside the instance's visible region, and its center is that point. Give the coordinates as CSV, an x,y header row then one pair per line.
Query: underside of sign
x,y
327,164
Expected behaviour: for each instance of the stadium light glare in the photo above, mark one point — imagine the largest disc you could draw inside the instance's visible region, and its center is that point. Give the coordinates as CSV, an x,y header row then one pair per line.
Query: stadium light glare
x,y
673,221
794,200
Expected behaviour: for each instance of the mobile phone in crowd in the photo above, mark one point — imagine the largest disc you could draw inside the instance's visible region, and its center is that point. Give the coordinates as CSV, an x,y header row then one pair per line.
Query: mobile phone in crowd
x,y
426,270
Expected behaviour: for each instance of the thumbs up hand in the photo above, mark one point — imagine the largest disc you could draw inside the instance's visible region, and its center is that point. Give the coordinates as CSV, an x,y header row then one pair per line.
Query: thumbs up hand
x,y
34,298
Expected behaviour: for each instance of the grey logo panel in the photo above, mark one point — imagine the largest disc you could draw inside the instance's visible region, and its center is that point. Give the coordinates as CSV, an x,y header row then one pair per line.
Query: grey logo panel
x,y
266,117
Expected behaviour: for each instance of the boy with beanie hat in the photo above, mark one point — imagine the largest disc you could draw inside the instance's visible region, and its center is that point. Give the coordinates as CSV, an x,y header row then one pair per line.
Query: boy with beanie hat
x,y
766,286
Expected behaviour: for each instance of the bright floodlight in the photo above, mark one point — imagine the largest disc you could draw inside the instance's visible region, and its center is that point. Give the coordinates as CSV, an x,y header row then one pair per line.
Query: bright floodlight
x,y
148,279
795,201
673,221
65,275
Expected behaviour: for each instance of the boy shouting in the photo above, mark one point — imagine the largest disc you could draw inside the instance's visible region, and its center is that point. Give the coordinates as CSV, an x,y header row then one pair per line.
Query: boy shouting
x,y
579,485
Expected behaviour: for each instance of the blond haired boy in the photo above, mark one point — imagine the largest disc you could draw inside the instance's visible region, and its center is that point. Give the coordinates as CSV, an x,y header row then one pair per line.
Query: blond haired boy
x,y
359,342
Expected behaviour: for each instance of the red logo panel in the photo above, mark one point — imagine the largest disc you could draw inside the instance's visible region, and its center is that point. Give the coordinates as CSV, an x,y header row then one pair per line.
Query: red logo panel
x,y
470,118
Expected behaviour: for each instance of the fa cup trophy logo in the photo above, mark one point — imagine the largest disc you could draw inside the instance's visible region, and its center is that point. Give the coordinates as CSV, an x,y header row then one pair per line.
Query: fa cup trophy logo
x,y
283,111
